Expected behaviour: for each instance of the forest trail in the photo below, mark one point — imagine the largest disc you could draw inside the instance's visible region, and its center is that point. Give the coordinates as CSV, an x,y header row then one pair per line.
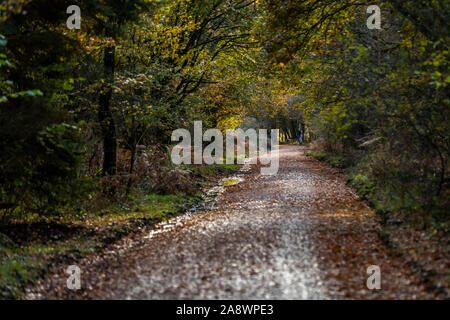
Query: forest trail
x,y
300,234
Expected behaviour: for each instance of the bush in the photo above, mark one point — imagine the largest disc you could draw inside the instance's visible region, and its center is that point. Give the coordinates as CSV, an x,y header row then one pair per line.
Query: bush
x,y
363,184
45,178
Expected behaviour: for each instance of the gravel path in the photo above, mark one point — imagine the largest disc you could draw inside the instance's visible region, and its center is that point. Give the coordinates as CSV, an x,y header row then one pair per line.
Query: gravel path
x,y
265,238
253,245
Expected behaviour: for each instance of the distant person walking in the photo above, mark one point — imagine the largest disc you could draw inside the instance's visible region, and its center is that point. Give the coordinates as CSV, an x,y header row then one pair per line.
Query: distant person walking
x,y
269,141
299,137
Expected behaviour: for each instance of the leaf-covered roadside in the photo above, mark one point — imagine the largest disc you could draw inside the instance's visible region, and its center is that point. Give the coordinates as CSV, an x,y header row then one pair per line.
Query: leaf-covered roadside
x,y
30,246
347,239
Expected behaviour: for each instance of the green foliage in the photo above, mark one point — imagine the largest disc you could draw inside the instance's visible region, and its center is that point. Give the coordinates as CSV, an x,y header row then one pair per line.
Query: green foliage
x,y
333,158
54,84
49,180
363,184
377,98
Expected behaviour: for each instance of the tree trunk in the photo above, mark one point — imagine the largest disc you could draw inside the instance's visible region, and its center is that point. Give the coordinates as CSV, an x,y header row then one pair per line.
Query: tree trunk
x,y
105,114
133,155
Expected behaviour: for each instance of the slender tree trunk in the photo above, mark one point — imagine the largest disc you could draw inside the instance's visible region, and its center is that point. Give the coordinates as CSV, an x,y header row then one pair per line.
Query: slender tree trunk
x,y
132,160
133,156
105,114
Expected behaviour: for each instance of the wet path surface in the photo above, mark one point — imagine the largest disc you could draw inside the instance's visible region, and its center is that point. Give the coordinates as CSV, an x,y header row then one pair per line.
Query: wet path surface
x,y
266,237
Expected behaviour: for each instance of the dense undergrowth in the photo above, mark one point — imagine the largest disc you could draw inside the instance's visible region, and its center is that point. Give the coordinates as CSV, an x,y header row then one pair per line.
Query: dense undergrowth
x,y
385,199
